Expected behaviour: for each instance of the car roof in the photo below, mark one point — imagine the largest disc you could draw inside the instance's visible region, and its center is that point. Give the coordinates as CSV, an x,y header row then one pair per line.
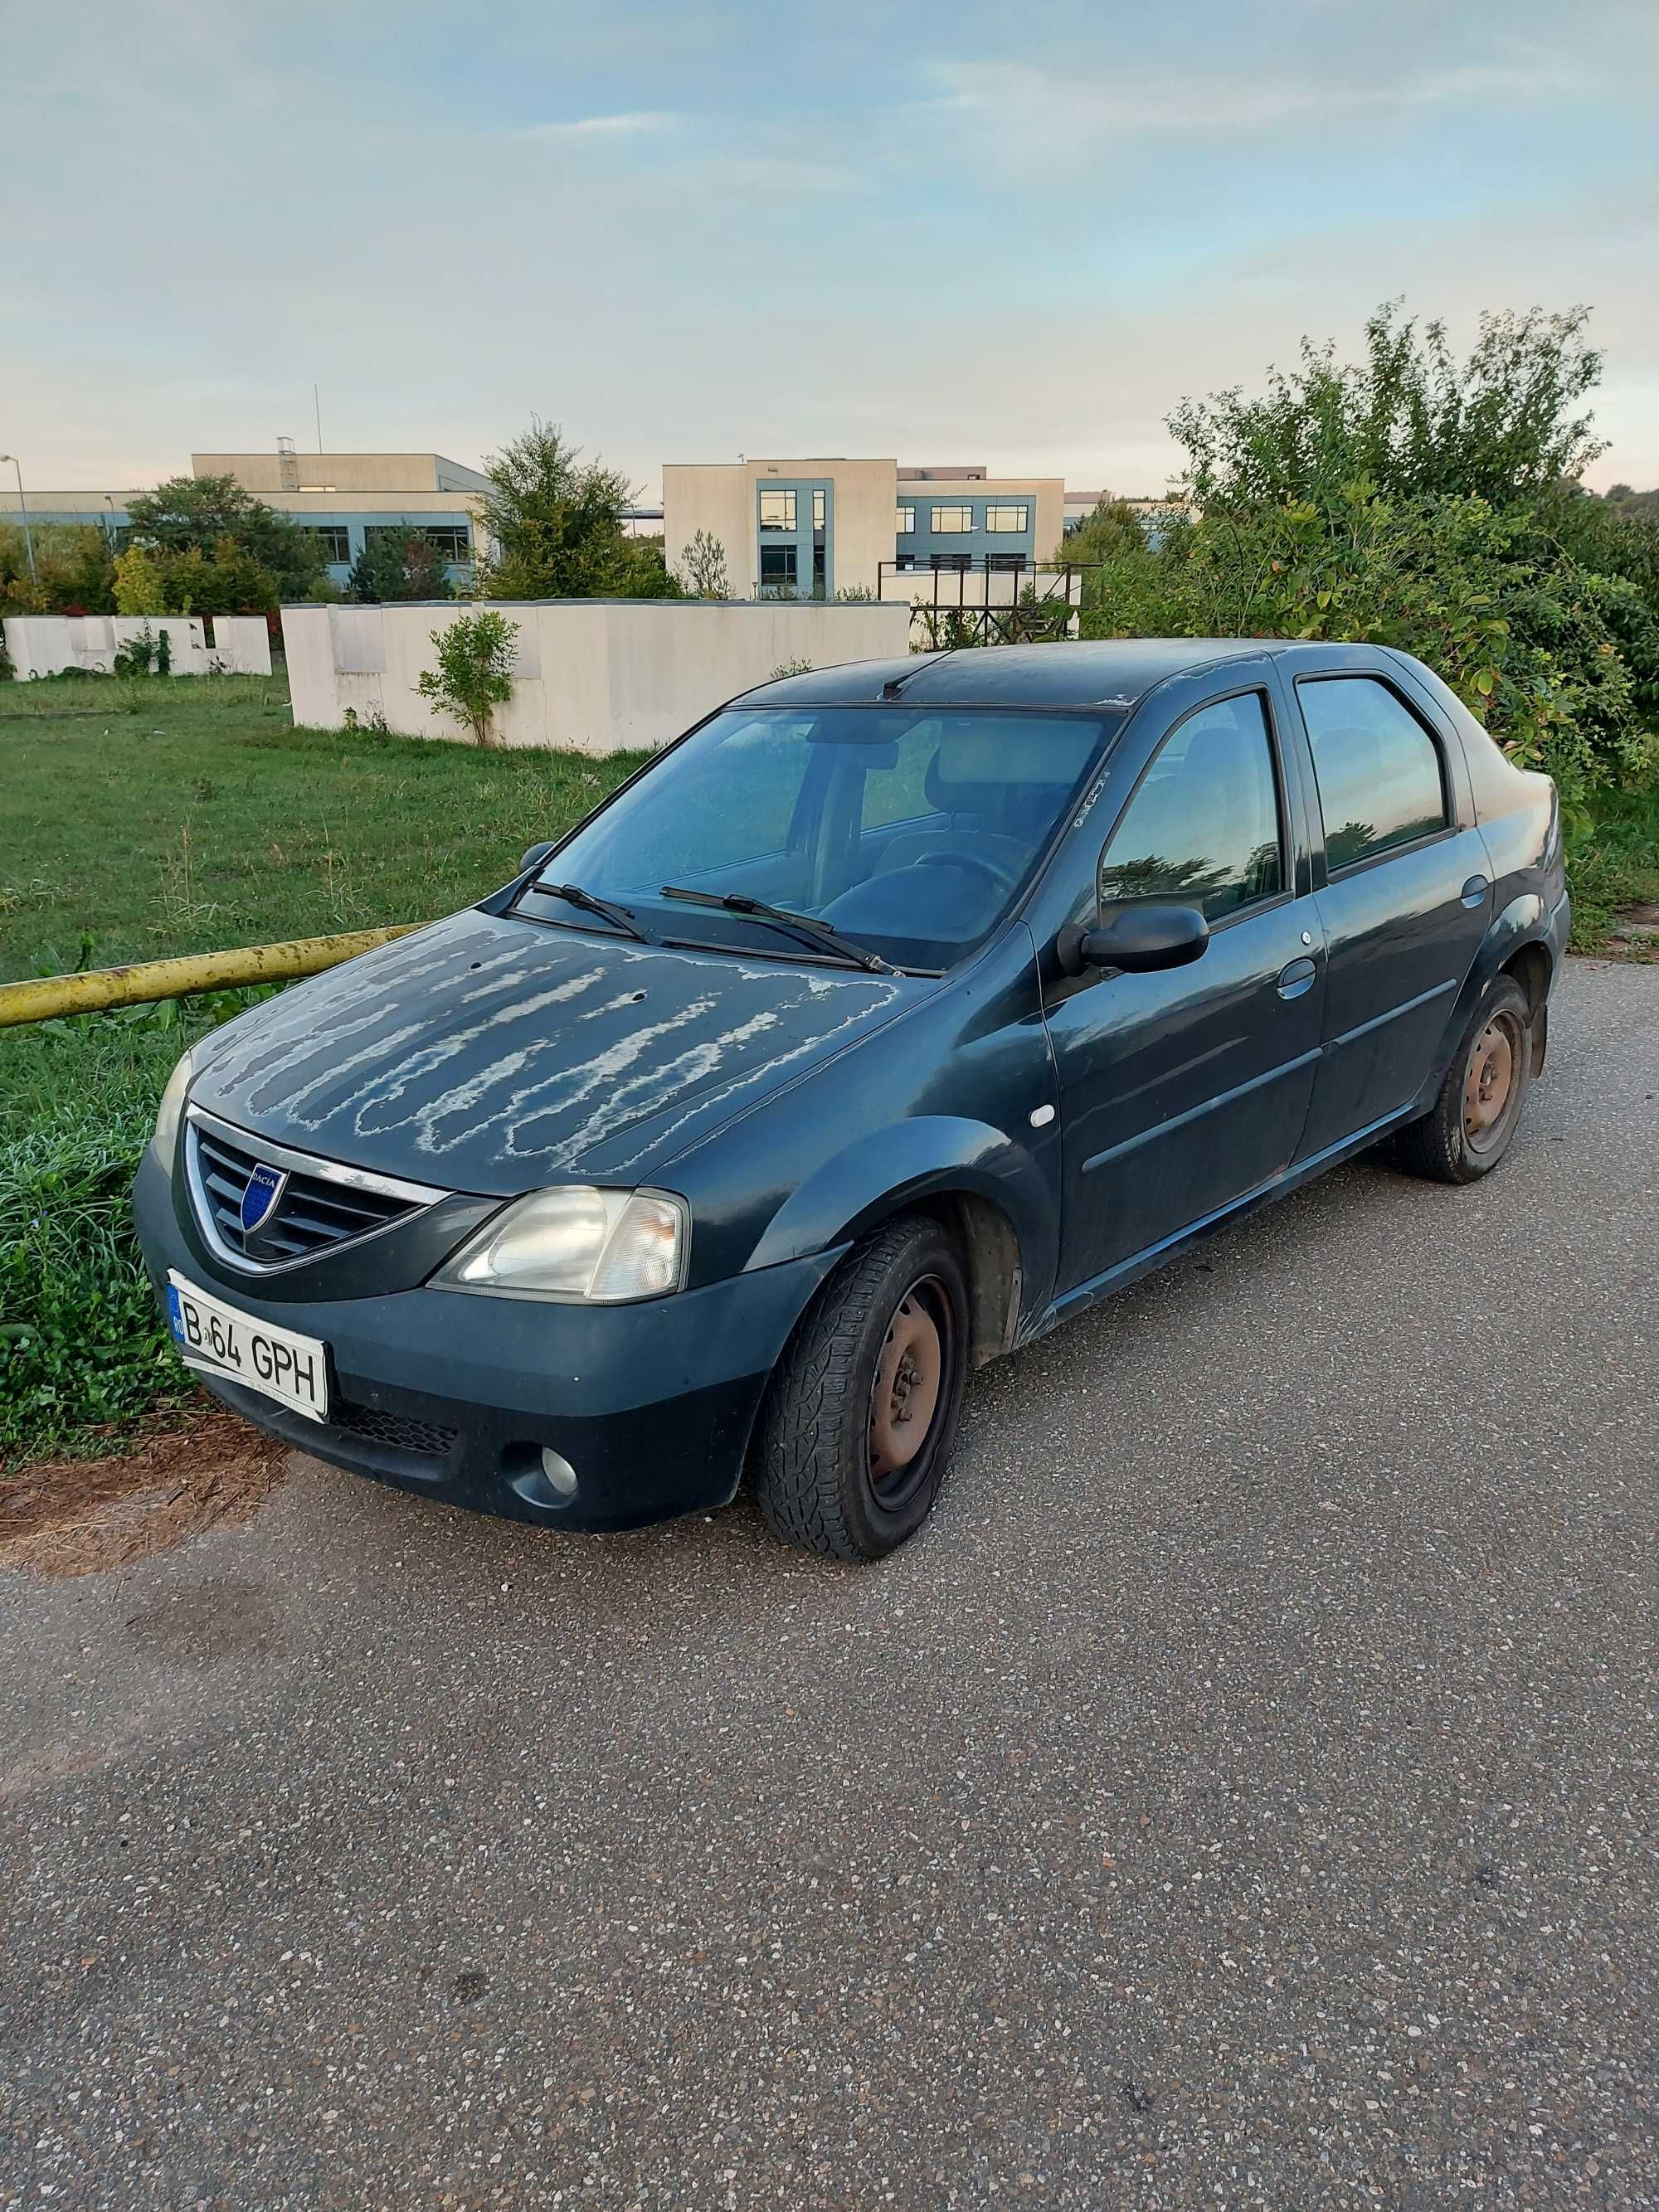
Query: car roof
x,y
1110,672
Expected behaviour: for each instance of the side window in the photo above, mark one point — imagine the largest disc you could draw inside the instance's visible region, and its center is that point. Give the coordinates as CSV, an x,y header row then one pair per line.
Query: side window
x,y
1203,827
1377,768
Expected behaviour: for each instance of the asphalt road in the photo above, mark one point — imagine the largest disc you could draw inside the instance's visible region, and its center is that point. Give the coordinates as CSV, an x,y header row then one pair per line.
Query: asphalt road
x,y
1244,1793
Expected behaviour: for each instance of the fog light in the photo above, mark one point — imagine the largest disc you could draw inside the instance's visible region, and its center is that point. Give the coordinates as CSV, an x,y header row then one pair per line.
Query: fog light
x,y
559,1472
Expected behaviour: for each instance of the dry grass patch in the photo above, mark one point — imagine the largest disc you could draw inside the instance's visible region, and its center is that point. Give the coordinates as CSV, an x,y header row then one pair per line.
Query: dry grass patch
x,y
81,1516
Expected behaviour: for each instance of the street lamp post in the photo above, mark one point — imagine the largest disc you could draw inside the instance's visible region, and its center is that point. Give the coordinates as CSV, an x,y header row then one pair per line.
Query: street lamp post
x,y
23,509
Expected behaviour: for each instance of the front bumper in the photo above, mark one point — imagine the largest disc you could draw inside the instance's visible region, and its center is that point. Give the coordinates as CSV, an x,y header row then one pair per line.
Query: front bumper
x,y
455,1396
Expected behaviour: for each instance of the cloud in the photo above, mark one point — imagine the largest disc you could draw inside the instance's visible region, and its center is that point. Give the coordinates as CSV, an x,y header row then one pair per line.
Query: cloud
x,y
1023,104
638,123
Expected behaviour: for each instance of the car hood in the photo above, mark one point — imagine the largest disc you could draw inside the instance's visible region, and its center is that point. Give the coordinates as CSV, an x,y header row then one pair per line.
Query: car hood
x,y
493,1055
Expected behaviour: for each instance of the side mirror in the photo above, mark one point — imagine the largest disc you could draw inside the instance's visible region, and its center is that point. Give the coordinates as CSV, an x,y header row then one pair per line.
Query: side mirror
x,y
535,856
1140,938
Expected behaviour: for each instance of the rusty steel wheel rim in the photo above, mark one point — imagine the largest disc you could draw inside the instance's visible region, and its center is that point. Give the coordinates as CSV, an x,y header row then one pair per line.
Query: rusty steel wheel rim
x,y
1489,1081
909,1386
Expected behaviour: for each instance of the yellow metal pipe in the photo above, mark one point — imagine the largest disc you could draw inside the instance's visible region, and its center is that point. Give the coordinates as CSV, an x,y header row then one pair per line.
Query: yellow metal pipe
x,y
144,981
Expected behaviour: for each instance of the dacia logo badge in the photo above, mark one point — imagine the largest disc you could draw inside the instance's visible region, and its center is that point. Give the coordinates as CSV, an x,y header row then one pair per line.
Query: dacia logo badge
x,y
265,1187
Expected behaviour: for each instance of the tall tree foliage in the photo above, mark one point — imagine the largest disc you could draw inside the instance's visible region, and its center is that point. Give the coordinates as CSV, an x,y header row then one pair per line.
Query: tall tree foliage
x,y
554,527
210,515
1408,420
1414,502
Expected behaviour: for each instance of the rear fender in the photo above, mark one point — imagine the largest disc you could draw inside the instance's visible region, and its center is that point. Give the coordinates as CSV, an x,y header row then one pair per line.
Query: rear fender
x,y
1523,922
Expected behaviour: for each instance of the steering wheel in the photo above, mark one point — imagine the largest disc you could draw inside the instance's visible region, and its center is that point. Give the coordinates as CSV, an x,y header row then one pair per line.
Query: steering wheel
x,y
947,856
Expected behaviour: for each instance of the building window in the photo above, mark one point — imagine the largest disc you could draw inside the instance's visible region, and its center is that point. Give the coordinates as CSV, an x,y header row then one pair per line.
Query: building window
x,y
1010,563
949,521
905,561
1008,518
953,563
335,538
818,499
777,510
777,567
905,521
453,541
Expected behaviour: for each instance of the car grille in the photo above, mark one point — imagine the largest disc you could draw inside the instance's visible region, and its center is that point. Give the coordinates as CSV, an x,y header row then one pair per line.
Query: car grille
x,y
428,1438
314,1214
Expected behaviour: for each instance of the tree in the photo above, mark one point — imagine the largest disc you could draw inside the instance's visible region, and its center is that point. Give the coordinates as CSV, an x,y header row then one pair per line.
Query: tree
x,y
1408,420
474,675
1632,502
552,523
1109,530
205,512
399,565
703,570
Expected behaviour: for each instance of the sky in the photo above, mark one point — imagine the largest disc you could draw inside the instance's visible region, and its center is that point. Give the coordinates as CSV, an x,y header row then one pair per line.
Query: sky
x,y
1015,234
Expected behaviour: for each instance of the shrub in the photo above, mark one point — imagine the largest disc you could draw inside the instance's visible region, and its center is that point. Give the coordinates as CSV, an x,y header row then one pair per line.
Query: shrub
x,y
474,675
138,583
703,570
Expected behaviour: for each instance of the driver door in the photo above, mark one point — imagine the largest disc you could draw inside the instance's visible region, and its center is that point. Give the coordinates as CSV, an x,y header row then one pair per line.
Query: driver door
x,y
1181,1092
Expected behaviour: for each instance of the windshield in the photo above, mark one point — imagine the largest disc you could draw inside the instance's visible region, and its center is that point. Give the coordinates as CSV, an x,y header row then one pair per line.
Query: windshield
x,y
908,830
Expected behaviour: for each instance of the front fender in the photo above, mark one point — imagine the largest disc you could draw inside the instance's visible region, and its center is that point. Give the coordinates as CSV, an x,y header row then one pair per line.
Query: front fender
x,y
924,1154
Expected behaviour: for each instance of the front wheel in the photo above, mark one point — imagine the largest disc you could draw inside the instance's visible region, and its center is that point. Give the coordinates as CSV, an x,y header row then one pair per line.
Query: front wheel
x,y
861,1414
1473,1120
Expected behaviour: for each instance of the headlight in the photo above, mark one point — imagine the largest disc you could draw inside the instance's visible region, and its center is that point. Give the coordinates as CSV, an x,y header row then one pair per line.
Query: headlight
x,y
601,1246
164,1142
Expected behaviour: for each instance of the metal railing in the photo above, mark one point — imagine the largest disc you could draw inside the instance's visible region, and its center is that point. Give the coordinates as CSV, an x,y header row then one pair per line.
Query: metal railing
x,y
47,998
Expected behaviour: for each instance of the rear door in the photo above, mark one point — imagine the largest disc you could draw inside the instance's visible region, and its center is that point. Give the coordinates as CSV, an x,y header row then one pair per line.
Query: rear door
x,y
1183,1091
1403,886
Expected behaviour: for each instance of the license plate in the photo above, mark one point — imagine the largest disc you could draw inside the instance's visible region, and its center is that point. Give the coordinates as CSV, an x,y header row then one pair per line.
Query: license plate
x,y
278,1362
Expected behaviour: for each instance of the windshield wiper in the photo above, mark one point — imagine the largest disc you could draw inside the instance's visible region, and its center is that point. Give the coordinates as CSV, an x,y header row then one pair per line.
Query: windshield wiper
x,y
805,927
617,916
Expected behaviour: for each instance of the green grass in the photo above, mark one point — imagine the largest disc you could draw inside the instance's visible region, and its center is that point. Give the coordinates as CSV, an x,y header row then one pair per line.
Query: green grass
x,y
141,819
1619,865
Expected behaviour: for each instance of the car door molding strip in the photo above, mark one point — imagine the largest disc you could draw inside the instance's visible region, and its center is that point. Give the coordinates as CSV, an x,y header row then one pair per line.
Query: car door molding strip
x,y
1196,1112
1406,1007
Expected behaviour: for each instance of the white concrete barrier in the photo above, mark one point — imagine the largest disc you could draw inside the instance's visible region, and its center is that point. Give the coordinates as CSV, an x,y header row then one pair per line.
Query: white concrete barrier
x,y
217,645
597,676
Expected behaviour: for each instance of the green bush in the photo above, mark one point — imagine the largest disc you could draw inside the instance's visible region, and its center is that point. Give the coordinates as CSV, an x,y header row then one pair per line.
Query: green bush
x,y
474,675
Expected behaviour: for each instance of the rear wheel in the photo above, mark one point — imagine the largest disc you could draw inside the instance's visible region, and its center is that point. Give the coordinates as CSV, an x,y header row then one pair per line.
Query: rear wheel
x,y
862,1412
1470,1129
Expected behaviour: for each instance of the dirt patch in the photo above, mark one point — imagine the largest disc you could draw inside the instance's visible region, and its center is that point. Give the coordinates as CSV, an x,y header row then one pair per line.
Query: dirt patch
x,y
86,1516
1634,933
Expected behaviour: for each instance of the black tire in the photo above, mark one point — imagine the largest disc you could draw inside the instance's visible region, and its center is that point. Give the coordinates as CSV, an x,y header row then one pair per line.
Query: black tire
x,y
829,1476
1463,1138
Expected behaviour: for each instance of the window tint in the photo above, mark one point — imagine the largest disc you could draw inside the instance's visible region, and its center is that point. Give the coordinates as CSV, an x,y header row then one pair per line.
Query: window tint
x,y
1378,769
1203,827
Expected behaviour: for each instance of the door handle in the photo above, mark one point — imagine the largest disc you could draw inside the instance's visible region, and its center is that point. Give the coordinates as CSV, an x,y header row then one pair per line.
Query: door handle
x,y
1297,978
1474,892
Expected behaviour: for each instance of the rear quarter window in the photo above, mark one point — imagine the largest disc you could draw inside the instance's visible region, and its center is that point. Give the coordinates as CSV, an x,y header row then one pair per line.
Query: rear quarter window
x,y
1382,782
